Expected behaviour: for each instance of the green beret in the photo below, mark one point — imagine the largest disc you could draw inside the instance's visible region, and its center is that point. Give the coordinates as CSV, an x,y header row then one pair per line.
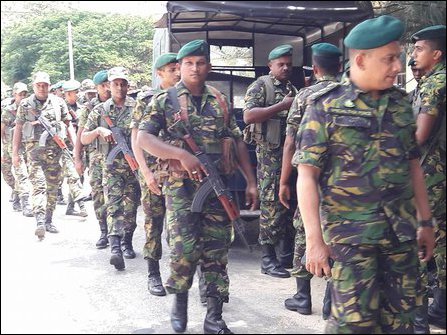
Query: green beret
x,y
282,50
194,48
71,85
374,33
325,50
165,59
100,77
57,86
429,33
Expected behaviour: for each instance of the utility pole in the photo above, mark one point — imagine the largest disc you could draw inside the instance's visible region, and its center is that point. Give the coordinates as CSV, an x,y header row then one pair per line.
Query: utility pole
x,y
70,50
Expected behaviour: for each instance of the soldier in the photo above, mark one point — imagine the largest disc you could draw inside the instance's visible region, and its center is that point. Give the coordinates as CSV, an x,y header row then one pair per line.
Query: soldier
x,y
74,181
121,186
57,89
43,153
133,90
429,55
151,198
195,237
326,67
267,103
87,91
95,158
18,180
356,144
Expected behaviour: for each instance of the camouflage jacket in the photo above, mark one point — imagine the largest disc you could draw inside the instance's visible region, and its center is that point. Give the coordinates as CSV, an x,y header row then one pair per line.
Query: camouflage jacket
x,y
363,148
299,103
8,117
207,121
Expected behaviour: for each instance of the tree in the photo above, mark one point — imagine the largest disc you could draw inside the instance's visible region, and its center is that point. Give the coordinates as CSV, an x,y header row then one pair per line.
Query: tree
x,y
99,42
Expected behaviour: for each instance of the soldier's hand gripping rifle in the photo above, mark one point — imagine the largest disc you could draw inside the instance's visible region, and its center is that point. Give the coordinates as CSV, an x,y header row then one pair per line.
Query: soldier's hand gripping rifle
x,y
213,182
51,131
121,146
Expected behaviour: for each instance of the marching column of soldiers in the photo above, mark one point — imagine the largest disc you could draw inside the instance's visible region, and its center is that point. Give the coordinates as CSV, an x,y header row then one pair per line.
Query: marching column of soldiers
x,y
368,161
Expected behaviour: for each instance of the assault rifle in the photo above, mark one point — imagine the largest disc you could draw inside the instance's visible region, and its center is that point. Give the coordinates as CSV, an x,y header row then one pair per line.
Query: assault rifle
x,y
51,131
121,146
213,182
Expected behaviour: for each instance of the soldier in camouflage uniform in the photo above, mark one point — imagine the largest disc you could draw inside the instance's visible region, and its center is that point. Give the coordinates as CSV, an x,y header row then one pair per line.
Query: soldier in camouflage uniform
x,y
42,155
87,91
122,193
205,236
356,143
74,181
16,177
267,103
429,106
326,67
151,197
95,158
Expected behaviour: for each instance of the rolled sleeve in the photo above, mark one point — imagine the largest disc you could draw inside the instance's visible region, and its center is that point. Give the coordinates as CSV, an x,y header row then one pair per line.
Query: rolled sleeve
x,y
154,120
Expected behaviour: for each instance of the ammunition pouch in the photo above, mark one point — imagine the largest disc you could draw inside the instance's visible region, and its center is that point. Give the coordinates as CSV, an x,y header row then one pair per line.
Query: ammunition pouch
x,y
268,133
28,132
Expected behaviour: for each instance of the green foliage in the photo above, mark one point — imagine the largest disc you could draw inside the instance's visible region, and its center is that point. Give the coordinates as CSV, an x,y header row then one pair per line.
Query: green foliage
x,y
99,42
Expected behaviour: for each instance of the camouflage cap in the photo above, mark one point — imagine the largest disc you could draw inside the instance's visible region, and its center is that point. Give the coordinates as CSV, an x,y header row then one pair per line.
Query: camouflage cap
x,y
133,88
326,50
19,87
118,72
41,77
374,33
165,59
194,48
87,85
279,51
100,77
71,85
429,33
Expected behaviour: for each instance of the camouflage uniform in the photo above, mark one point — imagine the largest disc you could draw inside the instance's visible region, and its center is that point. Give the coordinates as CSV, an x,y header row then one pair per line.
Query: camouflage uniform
x,y
363,148
432,101
194,237
293,122
43,162
153,204
275,219
15,177
96,163
120,185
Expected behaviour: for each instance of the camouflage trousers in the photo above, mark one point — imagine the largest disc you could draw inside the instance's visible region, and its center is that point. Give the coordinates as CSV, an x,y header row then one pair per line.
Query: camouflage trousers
x,y
73,179
96,183
20,173
7,168
440,252
373,288
154,212
275,219
44,175
196,238
122,197
299,269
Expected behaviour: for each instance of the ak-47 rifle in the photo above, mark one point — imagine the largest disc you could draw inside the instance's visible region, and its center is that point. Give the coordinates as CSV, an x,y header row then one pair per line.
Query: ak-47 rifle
x,y
121,146
51,131
214,182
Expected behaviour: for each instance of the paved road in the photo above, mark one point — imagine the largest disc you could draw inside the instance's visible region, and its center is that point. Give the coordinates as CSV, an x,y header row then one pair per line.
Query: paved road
x,y
65,285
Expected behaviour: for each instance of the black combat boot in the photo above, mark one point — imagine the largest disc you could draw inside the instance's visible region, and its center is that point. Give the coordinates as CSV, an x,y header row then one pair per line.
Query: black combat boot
x,y
286,247
103,242
420,323
116,259
213,321
327,302
16,206
202,286
154,284
60,197
436,311
126,245
270,265
26,208
40,230
179,314
49,226
301,301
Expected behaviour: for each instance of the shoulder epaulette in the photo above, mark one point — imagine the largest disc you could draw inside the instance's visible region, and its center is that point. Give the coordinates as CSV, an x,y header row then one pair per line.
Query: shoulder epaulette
x,y
317,95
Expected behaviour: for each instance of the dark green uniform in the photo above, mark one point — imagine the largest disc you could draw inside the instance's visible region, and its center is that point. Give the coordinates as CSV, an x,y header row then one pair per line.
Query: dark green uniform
x,y
192,236
363,148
